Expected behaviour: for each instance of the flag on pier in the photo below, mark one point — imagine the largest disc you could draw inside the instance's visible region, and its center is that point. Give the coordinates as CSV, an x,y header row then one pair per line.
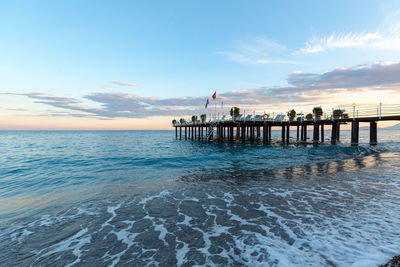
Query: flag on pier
x,y
214,96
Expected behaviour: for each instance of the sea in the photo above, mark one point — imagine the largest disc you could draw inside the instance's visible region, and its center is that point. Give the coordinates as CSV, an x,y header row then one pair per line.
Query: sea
x,y
144,198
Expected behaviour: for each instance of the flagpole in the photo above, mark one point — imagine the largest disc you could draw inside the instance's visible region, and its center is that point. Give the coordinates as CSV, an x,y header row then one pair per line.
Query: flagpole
x,y
215,102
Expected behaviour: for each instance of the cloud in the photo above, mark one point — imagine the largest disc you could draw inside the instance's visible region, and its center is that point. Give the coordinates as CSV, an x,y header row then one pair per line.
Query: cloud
x,y
126,84
375,75
302,89
260,51
388,40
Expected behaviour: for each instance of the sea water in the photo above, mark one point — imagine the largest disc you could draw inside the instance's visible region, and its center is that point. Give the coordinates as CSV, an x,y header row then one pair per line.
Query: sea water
x,y
117,198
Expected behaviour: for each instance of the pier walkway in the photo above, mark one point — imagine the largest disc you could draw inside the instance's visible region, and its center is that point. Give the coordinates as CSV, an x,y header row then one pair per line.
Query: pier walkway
x,y
259,127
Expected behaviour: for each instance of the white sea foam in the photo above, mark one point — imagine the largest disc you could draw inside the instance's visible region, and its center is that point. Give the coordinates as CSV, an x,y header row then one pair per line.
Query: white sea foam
x,y
74,243
111,210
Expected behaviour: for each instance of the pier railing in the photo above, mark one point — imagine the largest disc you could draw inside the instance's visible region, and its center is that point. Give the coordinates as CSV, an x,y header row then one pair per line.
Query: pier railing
x,y
352,112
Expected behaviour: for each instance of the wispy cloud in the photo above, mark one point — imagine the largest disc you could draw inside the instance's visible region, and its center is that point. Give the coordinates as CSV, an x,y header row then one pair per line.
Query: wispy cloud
x,y
388,39
303,88
126,84
260,51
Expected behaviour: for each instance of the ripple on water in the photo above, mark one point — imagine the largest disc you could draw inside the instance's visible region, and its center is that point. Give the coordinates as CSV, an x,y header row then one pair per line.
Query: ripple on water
x,y
348,215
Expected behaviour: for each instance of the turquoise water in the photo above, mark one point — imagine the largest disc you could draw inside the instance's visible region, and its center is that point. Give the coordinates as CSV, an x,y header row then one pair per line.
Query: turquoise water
x,y
141,197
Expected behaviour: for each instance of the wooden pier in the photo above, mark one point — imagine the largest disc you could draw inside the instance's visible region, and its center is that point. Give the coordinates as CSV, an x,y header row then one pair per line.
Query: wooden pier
x,y
260,129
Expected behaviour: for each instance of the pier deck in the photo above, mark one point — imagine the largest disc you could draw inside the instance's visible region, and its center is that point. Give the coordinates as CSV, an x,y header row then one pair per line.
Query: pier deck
x,y
259,129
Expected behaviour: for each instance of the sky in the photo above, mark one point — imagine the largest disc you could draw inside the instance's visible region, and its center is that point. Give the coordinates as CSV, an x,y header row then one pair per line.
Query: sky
x,y
139,64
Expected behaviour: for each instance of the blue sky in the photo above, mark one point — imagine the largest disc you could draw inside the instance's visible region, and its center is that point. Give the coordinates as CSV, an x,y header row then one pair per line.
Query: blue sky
x,y
71,61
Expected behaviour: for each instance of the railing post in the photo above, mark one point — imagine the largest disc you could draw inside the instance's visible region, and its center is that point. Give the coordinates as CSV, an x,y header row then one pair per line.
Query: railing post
x,y
354,111
380,110
332,114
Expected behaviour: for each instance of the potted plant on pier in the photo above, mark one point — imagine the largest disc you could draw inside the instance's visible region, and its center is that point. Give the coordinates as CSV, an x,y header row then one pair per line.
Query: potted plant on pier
x,y
194,119
234,112
318,112
173,122
345,116
203,118
337,113
309,116
291,114
182,121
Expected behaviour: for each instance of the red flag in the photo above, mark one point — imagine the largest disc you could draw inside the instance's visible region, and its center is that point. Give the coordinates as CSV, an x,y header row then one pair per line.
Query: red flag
x,y
214,96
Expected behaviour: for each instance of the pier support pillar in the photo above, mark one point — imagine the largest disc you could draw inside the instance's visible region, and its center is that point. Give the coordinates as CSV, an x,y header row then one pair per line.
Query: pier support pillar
x,y
192,131
270,133
283,133
176,132
305,133
338,132
199,132
354,133
265,133
322,133
185,133
251,133
316,133
180,132
297,133
302,132
237,132
334,132
287,133
373,133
